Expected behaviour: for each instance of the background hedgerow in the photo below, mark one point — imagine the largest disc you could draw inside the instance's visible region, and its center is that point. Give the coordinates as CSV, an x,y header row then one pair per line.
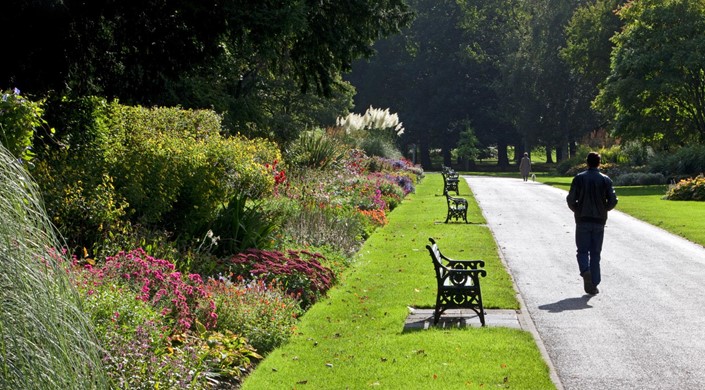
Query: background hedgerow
x,y
639,179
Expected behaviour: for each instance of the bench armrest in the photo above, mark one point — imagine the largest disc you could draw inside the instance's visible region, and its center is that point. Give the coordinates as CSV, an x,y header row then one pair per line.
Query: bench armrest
x,y
464,264
456,271
457,201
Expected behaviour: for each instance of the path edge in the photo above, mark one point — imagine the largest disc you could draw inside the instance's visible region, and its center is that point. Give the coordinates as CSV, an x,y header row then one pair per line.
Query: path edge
x,y
524,316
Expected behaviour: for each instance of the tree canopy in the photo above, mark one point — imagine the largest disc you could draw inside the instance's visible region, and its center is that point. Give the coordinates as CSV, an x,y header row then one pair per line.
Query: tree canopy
x,y
194,53
656,87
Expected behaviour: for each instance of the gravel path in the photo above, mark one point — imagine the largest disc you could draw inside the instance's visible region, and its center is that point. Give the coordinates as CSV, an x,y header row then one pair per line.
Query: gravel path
x,y
646,328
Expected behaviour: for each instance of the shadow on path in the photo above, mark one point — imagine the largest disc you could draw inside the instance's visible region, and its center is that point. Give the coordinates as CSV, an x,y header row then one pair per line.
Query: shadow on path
x,y
579,303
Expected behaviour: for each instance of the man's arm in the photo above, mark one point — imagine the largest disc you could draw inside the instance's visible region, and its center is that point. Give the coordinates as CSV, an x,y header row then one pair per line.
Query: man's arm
x,y
611,195
572,197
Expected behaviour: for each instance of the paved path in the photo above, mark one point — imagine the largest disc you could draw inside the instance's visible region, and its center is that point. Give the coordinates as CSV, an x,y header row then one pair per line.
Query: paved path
x,y
646,328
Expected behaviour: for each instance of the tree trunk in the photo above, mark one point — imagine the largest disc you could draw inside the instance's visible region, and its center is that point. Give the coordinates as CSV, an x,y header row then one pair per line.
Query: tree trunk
x,y
519,152
502,158
573,148
425,156
447,158
559,154
549,155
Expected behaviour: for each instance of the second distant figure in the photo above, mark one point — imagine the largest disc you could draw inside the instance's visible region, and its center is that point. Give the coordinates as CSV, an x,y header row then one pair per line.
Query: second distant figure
x,y
525,167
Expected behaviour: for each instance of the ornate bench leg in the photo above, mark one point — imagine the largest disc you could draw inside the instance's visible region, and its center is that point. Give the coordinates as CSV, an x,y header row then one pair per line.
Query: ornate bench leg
x,y
437,312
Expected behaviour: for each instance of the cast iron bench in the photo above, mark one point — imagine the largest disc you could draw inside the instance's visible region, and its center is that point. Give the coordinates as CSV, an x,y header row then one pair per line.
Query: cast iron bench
x,y
457,208
458,283
450,180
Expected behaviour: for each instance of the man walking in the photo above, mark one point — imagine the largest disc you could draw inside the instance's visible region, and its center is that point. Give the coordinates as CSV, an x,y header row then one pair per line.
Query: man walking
x,y
591,196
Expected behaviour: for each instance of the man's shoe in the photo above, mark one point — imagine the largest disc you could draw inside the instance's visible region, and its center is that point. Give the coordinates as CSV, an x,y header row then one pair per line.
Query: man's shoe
x,y
587,283
595,291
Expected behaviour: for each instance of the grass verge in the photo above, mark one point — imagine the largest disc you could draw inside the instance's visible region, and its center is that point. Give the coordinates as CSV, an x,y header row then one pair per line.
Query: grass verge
x,y
355,338
684,218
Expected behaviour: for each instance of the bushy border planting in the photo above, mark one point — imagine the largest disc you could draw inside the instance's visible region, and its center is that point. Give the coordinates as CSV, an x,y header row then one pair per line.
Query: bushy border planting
x,y
143,181
688,189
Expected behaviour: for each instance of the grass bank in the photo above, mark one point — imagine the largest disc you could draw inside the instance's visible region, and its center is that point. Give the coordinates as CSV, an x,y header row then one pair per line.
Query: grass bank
x,y
355,338
684,218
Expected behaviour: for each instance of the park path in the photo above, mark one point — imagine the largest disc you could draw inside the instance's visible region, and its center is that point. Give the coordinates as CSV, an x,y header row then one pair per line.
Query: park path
x,y
646,328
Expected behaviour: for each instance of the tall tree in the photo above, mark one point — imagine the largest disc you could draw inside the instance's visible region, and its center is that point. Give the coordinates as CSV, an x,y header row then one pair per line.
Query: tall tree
x,y
428,76
547,105
589,39
656,88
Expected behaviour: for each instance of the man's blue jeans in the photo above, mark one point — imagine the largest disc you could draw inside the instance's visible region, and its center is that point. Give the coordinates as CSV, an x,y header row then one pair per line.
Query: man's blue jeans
x,y
588,239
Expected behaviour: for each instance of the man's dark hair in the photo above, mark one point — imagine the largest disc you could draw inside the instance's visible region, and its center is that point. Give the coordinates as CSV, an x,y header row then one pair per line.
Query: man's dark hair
x,y
593,160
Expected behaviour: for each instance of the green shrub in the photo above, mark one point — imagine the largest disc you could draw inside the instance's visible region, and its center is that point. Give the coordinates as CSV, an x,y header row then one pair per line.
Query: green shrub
x,y
164,168
260,311
689,189
85,208
177,170
19,117
226,356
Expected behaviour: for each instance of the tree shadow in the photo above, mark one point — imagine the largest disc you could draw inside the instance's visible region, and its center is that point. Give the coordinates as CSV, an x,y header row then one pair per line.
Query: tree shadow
x,y
579,303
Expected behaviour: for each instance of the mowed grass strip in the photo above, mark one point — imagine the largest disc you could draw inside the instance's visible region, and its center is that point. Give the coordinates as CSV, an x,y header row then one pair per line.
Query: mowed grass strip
x,y
355,338
683,218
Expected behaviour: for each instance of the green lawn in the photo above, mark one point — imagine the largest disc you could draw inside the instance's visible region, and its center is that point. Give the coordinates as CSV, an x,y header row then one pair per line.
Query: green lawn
x,y
355,338
684,218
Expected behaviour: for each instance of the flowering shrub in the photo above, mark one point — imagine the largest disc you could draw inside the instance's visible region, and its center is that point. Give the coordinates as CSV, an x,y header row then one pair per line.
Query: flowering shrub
x,y
181,299
279,175
260,310
377,217
689,189
142,348
300,273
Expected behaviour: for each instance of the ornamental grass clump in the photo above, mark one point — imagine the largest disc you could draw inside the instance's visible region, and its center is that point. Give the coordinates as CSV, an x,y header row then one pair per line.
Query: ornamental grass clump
x,y
46,341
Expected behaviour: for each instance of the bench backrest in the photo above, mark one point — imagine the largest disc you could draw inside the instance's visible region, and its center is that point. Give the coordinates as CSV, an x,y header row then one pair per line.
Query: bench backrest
x,y
437,263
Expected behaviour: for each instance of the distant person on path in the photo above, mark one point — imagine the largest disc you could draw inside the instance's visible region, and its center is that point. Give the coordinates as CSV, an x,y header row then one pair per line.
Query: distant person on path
x,y
591,196
525,166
